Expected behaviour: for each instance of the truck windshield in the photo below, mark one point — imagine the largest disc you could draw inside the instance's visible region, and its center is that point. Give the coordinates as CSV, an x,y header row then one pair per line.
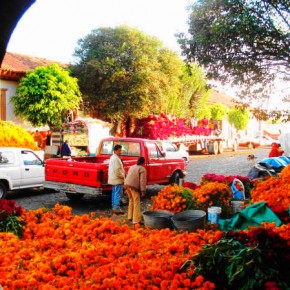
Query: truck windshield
x,y
128,148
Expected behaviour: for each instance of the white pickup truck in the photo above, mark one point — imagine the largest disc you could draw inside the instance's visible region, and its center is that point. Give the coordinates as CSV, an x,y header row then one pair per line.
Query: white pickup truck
x,y
19,168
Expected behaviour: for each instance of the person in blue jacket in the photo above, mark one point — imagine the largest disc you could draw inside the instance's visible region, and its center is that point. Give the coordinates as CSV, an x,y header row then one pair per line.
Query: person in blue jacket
x,y
65,149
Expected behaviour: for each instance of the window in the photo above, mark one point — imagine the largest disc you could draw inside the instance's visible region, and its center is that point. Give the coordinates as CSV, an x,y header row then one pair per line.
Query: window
x,y
107,147
29,158
3,104
6,158
153,150
128,148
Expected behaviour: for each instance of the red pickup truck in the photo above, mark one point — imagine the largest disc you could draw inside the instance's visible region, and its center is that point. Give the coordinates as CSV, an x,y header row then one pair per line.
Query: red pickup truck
x,y
88,175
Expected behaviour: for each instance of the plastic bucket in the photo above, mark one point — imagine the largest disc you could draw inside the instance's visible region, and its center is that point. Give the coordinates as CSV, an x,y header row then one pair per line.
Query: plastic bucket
x,y
237,205
213,214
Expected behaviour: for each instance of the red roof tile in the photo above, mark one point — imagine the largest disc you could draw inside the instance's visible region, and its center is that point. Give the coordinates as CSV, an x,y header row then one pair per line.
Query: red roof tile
x,y
21,63
219,97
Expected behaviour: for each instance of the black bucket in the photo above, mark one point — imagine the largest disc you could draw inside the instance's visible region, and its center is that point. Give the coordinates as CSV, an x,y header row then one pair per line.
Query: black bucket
x,y
158,219
189,220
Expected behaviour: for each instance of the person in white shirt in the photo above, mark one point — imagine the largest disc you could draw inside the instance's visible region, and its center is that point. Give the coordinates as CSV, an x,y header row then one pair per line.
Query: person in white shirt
x,y
116,178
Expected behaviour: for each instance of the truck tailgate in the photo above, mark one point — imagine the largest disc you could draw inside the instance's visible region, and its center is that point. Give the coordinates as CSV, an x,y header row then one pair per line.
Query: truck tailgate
x,y
77,171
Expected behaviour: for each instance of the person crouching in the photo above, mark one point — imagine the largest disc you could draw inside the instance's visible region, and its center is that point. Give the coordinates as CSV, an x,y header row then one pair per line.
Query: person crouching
x,y
135,184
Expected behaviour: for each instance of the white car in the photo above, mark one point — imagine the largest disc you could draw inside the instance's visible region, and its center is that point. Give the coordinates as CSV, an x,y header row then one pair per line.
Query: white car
x,y
19,168
171,150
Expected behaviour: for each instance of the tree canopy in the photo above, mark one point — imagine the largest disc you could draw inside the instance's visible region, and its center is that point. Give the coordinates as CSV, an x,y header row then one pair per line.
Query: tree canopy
x,y
124,72
242,42
45,95
239,117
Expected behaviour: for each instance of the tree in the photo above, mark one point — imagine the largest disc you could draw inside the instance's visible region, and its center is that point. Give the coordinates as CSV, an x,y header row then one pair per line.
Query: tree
x,y
218,111
45,95
239,117
242,42
126,73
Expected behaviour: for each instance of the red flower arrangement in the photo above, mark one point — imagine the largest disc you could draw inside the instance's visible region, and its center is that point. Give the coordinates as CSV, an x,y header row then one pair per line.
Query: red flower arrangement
x,y
10,217
163,127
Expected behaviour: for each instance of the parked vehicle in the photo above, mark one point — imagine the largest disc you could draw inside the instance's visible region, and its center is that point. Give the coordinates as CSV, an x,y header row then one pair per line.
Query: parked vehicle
x,y
223,137
172,150
254,142
88,175
19,168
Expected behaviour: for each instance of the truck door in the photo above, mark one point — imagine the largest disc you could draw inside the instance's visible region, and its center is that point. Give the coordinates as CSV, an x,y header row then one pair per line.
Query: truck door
x,y
156,169
32,169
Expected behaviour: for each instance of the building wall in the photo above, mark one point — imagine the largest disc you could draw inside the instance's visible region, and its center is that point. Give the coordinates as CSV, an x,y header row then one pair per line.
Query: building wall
x,y
10,89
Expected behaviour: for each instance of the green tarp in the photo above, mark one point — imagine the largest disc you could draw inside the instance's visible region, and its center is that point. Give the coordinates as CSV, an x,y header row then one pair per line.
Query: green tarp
x,y
253,215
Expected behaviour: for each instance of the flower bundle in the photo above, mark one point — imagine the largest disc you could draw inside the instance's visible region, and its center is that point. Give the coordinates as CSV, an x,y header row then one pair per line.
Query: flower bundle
x,y
190,185
62,251
213,194
199,130
228,179
160,127
173,198
275,191
253,259
14,135
10,217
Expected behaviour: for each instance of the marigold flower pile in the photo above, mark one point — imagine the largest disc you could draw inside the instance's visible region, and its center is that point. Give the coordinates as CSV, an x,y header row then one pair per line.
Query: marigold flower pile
x,y
173,198
62,251
228,179
275,191
14,135
176,198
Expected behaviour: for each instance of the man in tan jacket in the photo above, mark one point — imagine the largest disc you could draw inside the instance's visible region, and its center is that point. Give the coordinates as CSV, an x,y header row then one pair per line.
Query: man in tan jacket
x,y
135,183
116,178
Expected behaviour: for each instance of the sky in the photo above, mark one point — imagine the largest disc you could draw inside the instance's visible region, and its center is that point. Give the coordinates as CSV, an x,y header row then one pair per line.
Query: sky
x,y
51,28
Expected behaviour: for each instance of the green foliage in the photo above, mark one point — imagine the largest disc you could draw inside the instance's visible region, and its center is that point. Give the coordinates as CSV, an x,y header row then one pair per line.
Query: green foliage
x,y
243,42
45,95
218,111
239,117
244,261
124,72
12,224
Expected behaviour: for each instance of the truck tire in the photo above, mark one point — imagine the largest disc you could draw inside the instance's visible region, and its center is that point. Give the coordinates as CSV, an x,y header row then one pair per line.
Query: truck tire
x,y
235,146
175,178
74,196
250,146
3,190
221,147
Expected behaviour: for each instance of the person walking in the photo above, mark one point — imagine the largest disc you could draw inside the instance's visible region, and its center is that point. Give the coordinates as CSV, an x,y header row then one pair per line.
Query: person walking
x,y
116,177
135,183
65,149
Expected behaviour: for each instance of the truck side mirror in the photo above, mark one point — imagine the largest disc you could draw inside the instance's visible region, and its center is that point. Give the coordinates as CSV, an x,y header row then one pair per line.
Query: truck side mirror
x,y
163,153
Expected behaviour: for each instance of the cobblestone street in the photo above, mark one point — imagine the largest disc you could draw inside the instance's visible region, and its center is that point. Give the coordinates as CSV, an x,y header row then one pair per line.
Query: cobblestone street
x,y
228,163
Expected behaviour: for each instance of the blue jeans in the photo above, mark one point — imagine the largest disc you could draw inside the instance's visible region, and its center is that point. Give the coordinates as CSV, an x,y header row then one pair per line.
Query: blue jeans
x,y
117,194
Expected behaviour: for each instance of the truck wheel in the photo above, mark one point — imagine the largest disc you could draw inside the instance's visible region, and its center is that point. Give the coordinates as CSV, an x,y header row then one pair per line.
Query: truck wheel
x,y
235,146
175,178
3,190
74,196
221,147
251,146
215,147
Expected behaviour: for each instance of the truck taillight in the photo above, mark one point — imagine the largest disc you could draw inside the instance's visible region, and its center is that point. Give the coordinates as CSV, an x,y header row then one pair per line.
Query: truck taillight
x,y
100,175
